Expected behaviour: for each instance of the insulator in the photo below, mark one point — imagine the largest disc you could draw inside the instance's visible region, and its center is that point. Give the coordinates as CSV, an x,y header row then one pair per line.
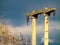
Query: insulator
x,y
27,20
54,13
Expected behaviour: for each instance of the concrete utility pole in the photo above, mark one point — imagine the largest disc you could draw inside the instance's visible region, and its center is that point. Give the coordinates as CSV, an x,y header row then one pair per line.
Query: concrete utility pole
x,y
46,13
33,15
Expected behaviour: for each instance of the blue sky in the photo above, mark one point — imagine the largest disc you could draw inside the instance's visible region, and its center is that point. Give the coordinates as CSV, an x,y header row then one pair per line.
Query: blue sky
x,y
15,11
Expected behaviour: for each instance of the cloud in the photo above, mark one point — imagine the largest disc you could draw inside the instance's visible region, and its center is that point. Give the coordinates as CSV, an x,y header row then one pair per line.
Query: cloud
x,y
23,29
54,25
49,40
26,30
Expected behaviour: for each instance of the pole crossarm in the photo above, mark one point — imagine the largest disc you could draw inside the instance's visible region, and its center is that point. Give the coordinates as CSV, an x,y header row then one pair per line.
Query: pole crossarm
x,y
46,10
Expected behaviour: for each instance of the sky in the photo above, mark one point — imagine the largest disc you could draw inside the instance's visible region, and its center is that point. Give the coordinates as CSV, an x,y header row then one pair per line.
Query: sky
x,y
15,12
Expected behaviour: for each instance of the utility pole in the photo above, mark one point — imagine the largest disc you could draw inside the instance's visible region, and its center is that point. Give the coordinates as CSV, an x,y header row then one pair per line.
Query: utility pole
x,y
46,30
33,15
34,31
46,14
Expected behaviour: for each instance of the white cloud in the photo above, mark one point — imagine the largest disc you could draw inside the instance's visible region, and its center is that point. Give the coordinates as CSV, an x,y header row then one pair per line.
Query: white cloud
x,y
26,30
54,26
49,40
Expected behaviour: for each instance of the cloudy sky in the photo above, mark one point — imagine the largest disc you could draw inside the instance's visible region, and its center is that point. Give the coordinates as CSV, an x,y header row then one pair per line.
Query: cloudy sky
x,y
15,12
